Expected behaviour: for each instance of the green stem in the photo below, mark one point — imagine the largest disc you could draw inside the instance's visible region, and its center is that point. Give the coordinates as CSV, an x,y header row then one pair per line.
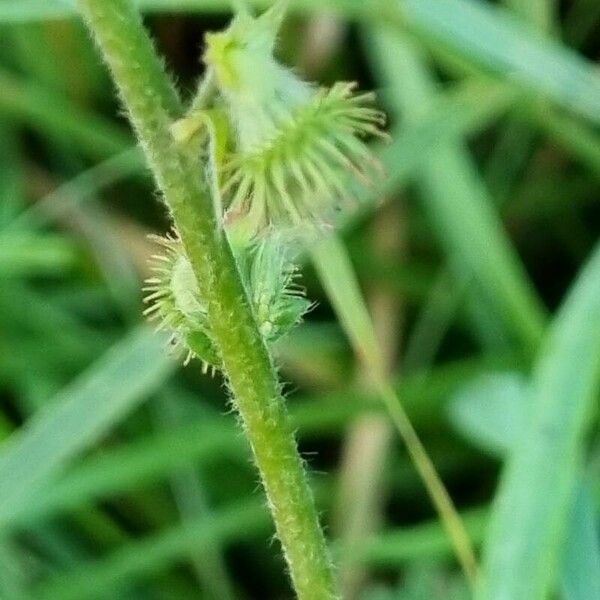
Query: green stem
x,y
247,365
206,90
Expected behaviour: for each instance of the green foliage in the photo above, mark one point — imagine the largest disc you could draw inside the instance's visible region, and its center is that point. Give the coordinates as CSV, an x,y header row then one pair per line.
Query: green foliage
x,y
82,413
537,488
460,288
174,299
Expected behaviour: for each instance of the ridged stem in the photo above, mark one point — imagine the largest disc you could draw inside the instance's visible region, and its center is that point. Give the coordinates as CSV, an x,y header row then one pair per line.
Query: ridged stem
x,y
148,96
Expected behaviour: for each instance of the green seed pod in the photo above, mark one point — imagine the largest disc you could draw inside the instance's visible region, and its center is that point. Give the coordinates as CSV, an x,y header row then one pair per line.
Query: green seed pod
x,y
173,302
293,142
173,299
278,303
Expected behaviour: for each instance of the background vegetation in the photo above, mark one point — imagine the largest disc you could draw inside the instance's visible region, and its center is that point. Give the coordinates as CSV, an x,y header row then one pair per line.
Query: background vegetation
x,y
123,475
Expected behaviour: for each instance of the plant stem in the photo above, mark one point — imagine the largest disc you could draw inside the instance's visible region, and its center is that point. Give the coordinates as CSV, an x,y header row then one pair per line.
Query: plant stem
x,y
247,365
206,90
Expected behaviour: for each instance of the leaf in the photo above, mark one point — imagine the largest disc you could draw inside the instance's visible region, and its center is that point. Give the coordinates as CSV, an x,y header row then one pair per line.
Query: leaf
x,y
240,521
536,489
26,101
456,200
580,567
133,465
493,38
486,35
339,280
490,410
25,254
80,415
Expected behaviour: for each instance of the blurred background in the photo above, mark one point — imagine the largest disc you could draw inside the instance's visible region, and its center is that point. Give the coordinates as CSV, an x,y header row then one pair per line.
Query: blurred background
x,y
123,474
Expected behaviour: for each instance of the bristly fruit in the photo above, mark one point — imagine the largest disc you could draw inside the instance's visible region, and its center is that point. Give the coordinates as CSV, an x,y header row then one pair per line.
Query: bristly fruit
x,y
270,278
173,299
293,142
173,302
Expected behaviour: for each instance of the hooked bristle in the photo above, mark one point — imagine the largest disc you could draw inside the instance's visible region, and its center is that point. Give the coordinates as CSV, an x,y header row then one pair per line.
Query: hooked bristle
x,y
299,175
173,302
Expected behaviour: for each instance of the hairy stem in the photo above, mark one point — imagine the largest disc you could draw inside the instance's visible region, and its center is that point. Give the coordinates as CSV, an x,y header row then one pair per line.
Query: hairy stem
x,y
147,95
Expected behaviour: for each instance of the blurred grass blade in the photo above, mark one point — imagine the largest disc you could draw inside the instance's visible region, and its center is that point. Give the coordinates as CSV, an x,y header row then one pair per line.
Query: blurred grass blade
x,y
188,488
494,38
11,193
456,199
151,458
27,254
463,110
83,187
338,278
339,281
536,489
133,465
241,521
490,410
12,575
581,141
581,562
536,12
423,542
80,415
24,11
244,520
483,34
25,101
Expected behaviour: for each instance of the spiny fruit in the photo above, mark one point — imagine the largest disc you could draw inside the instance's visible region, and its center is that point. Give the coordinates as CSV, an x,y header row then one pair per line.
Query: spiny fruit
x,y
293,142
173,299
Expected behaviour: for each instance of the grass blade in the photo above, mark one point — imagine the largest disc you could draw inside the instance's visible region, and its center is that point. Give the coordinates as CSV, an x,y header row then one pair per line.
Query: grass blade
x,y
537,12
457,202
188,489
490,410
337,276
486,35
246,519
495,39
80,415
26,101
151,458
26,11
537,487
27,254
132,466
426,541
581,561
